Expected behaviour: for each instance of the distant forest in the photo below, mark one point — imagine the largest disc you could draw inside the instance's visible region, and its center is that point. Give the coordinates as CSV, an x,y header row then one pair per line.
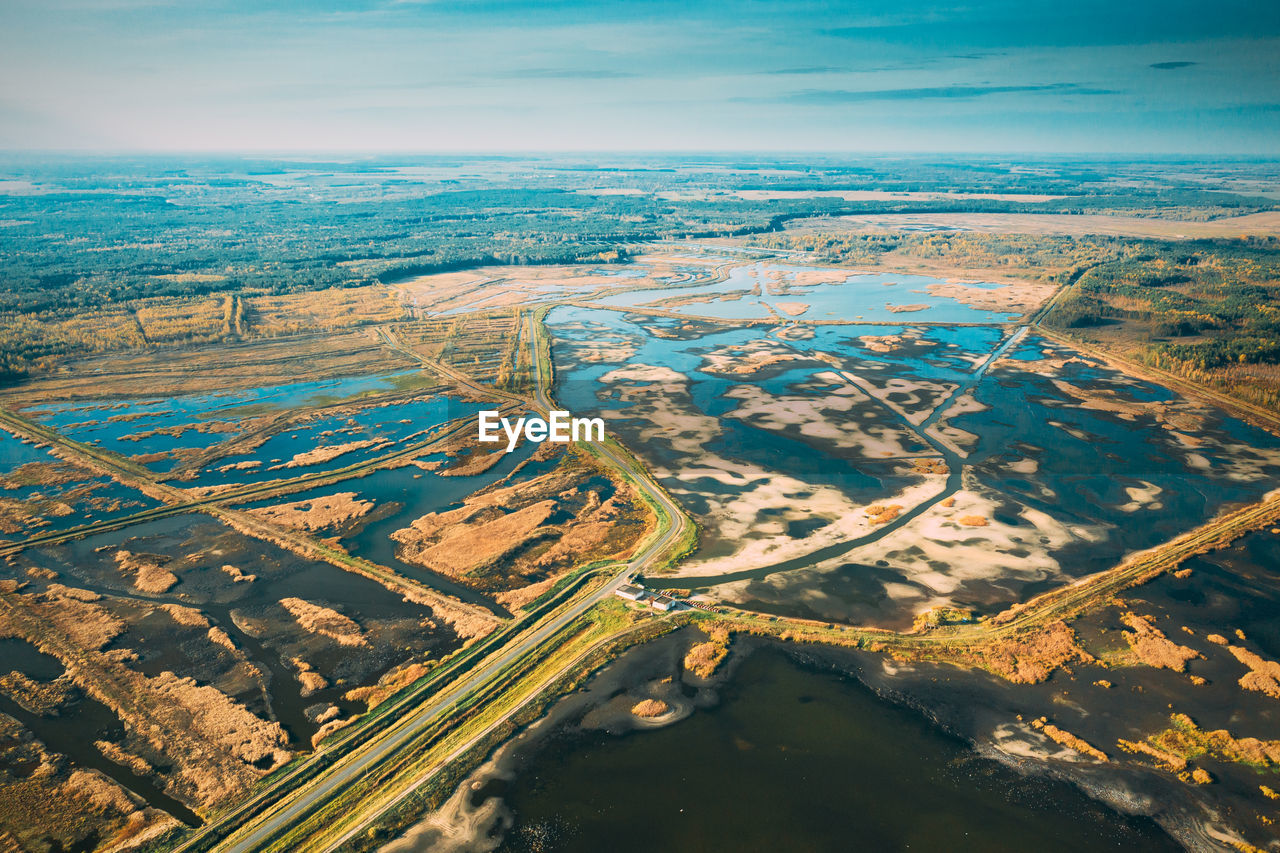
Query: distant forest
x,y
78,237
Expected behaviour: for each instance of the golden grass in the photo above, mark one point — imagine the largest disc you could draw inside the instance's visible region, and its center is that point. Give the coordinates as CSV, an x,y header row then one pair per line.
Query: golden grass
x,y
325,621
1153,648
649,708
1067,739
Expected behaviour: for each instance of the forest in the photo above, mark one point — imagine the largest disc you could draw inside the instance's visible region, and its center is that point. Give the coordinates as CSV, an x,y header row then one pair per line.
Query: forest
x,y
103,254
1207,310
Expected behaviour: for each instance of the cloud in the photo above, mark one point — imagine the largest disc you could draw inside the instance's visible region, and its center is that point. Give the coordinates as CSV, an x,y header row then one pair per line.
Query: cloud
x,y
564,74
845,96
807,69
1169,66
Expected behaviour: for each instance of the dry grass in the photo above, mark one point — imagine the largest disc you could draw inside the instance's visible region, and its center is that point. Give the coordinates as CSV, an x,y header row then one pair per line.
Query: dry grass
x,y
322,310
1067,739
214,746
499,538
211,367
649,708
149,575
391,681
326,453
467,545
1183,741
1263,675
54,806
325,621
881,514
704,658
1153,648
1030,658
317,513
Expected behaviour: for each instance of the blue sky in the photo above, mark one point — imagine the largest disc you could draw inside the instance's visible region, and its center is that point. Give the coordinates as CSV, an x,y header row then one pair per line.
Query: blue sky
x,y
1121,76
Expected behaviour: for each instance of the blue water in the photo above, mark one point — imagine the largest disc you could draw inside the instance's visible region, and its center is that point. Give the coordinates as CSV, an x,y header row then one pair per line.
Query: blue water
x,y
848,297
387,425
93,498
116,425
1086,458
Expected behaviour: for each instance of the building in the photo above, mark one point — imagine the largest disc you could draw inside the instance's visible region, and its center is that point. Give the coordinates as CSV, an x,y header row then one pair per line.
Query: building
x,y
631,592
663,602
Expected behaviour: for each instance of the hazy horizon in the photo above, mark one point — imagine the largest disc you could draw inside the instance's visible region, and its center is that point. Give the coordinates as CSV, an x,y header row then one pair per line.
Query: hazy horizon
x,y
406,77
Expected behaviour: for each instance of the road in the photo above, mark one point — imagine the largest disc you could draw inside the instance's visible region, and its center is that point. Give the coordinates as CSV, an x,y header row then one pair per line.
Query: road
x,y
392,740
177,500
291,806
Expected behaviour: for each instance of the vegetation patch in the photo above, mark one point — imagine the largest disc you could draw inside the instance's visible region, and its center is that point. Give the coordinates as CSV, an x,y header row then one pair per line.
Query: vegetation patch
x,y
649,708
1152,647
1184,741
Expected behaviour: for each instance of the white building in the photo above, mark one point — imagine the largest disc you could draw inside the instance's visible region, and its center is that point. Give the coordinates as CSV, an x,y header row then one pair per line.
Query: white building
x,y
631,592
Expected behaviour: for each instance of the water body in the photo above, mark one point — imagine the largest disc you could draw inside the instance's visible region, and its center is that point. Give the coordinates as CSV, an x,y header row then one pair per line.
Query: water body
x,y
1069,486
794,758
847,296
73,730
127,426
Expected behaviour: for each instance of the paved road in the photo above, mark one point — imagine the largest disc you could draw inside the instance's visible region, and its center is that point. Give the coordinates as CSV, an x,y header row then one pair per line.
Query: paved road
x,y
391,741
394,739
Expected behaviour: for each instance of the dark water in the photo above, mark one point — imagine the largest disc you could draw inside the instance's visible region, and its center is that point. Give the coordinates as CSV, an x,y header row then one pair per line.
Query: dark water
x,y
72,734
799,760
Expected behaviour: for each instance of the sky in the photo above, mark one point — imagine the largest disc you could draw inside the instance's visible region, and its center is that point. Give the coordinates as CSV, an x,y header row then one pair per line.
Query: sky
x,y
1045,76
